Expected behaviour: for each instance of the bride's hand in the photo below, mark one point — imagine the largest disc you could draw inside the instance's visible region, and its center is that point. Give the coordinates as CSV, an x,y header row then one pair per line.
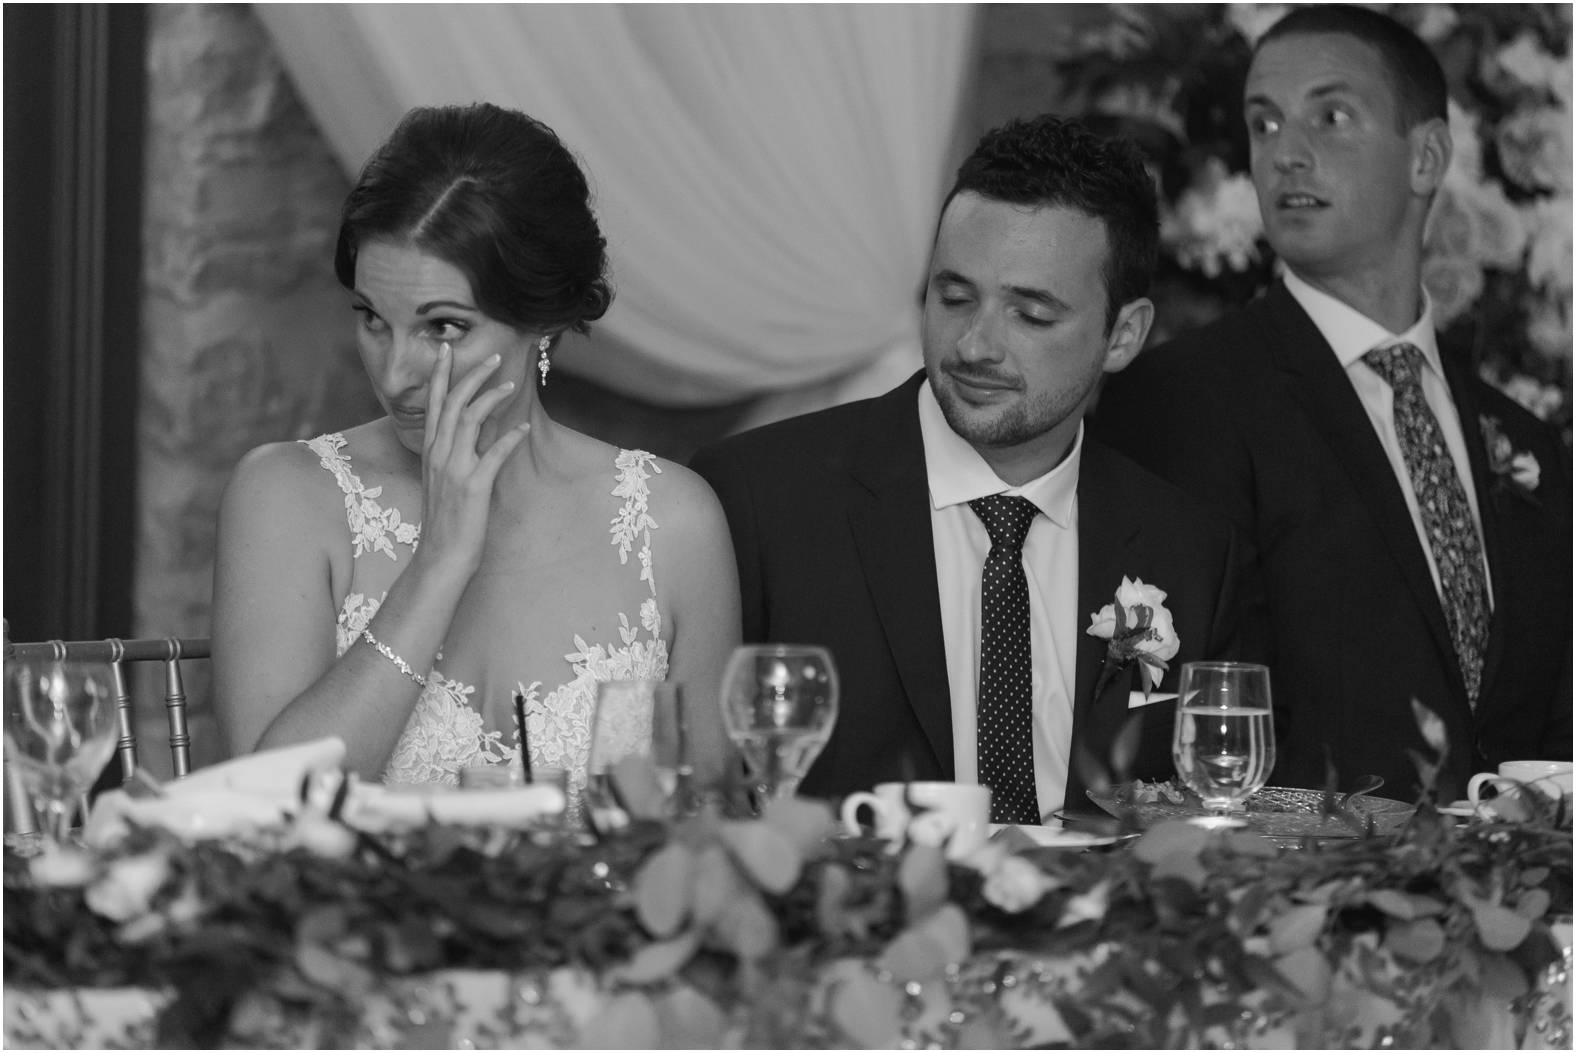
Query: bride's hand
x,y
457,482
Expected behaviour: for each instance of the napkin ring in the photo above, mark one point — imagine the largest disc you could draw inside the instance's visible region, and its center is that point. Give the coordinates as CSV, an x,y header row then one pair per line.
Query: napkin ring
x,y
388,652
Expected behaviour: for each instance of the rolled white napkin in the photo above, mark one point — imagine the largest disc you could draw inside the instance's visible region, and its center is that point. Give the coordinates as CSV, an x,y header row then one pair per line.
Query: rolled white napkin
x,y
237,796
376,808
269,772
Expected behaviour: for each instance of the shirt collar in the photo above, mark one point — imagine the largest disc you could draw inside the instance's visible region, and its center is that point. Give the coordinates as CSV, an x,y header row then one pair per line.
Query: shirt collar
x,y
1352,334
958,474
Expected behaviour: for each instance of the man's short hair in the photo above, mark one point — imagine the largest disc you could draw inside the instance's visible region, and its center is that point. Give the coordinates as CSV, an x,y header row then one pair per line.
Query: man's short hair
x,y
1052,162
1415,75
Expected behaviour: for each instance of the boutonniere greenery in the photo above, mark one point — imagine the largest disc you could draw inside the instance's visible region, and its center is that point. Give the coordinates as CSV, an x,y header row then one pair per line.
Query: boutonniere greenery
x,y
1515,470
1138,629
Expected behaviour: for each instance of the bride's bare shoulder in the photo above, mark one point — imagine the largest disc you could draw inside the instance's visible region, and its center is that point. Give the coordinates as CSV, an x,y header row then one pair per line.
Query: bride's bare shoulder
x,y
291,477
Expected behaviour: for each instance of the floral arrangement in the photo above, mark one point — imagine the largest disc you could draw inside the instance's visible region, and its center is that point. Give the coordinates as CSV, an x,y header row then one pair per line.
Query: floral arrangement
x,y
1498,247
710,931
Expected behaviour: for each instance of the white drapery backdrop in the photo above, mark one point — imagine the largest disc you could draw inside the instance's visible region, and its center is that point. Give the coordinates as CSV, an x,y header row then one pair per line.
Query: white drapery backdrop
x,y
767,175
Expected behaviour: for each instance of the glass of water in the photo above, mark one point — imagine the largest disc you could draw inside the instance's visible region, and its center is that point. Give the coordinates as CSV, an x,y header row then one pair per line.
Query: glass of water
x,y
779,705
1223,743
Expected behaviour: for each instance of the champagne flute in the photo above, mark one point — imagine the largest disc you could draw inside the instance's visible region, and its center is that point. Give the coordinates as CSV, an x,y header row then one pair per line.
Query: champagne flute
x,y
1223,742
779,704
60,730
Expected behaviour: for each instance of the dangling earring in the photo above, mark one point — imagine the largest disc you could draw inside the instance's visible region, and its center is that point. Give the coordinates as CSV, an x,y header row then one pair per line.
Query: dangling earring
x,y
542,364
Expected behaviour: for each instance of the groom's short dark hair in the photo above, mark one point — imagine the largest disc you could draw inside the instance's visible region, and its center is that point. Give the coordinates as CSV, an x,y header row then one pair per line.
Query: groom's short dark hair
x,y
1050,162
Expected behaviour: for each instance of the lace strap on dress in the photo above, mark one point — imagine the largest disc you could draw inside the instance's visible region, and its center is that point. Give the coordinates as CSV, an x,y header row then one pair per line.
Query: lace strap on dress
x,y
634,517
371,526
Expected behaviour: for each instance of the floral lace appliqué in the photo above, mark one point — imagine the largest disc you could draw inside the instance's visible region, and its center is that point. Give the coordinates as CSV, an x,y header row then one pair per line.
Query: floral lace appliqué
x,y
559,725
371,525
446,731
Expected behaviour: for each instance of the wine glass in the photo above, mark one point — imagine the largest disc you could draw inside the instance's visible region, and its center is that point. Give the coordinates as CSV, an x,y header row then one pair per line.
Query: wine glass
x,y
1223,742
779,703
60,730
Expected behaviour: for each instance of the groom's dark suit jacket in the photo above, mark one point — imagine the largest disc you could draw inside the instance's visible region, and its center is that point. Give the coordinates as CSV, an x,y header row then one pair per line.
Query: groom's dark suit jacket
x,y
830,514
1255,415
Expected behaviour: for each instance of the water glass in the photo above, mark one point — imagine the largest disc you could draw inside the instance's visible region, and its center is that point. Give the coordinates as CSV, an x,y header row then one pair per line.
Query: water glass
x,y
779,705
1223,742
60,731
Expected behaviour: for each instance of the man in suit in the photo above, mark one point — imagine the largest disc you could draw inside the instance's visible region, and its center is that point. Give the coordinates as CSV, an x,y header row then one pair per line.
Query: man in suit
x,y
864,527
1410,525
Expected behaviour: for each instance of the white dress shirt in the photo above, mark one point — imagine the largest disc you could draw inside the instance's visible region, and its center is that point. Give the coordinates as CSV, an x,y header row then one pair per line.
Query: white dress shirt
x,y
1352,335
957,475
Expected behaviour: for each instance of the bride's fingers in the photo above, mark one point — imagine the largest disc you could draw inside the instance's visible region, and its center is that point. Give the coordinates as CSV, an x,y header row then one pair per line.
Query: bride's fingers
x,y
437,388
453,416
491,461
482,406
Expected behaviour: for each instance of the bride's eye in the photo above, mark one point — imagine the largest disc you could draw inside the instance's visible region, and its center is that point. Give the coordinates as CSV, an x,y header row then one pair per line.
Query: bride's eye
x,y
447,329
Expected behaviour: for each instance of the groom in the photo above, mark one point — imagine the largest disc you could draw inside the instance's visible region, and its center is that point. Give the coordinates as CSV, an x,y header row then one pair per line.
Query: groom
x,y
950,541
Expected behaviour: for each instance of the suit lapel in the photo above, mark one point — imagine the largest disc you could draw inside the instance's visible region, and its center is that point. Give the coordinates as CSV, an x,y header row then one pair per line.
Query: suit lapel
x,y
1108,529
1316,380
889,514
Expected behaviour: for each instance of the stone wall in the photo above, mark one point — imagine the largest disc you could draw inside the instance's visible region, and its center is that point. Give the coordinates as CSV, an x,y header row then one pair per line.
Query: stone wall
x,y
246,335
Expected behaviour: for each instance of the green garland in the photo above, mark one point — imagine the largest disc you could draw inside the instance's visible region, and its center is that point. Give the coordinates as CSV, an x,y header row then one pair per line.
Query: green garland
x,y
773,932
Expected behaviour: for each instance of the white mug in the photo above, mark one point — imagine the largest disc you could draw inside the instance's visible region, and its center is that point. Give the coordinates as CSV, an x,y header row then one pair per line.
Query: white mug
x,y
950,814
1550,778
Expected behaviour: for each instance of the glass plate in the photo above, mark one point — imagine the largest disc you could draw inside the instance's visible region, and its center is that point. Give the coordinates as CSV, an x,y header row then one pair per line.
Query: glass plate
x,y
1275,811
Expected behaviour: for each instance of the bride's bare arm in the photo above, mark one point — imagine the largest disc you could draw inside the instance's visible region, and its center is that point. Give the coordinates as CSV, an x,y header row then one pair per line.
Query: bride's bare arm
x,y
275,675
696,571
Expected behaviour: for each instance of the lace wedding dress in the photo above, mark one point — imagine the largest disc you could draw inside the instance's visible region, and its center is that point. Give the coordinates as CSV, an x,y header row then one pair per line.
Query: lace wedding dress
x,y
446,731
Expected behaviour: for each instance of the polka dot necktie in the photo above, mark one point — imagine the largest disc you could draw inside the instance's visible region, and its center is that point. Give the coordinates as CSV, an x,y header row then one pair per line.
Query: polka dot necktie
x,y
1005,739
1447,517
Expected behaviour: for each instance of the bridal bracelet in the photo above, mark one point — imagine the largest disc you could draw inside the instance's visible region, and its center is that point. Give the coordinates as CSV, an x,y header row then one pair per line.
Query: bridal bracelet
x,y
388,652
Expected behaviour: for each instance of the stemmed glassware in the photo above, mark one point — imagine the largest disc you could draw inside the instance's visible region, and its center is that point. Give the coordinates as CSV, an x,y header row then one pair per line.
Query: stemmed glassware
x,y
779,704
1223,742
60,729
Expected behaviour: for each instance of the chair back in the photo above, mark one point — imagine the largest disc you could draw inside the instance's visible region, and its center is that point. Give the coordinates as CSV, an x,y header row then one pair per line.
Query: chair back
x,y
169,649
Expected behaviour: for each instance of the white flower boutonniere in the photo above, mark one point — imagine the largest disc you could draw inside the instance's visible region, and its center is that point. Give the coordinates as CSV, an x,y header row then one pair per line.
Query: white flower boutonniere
x,y
1138,628
1515,470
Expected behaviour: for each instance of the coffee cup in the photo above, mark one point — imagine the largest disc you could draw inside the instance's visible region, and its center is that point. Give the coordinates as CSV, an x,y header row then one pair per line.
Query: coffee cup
x,y
1550,778
950,815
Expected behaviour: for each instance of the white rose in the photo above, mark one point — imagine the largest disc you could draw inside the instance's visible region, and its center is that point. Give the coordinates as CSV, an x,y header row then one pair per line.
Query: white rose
x,y
127,888
1535,148
1015,884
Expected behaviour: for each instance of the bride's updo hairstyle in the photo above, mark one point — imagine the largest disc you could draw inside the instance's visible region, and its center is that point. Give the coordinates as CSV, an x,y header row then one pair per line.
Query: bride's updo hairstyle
x,y
495,194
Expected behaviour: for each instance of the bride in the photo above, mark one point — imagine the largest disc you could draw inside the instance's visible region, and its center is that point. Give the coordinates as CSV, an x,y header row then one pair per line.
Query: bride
x,y
397,583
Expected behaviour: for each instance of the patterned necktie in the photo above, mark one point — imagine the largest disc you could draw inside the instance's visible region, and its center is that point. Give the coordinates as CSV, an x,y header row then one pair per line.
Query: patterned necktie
x,y
1005,737
1447,517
